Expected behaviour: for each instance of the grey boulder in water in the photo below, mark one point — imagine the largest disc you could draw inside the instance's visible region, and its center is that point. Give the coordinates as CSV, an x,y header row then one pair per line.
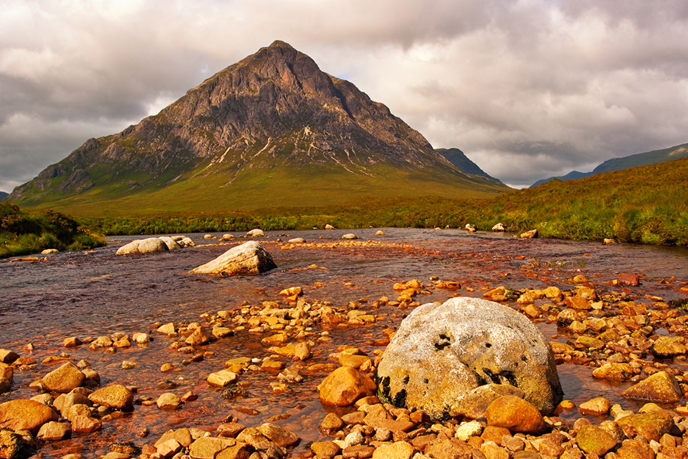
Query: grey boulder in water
x,y
247,258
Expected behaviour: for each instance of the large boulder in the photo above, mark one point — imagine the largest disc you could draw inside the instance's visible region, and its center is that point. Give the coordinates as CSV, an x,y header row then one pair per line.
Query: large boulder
x,y
26,415
149,245
443,352
247,258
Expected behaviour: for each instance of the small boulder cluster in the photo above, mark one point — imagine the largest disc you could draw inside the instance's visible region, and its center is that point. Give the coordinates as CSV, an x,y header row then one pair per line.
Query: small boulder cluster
x,y
155,244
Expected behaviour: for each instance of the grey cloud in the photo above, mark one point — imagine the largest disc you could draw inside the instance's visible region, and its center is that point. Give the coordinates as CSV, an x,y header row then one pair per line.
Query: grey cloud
x,y
548,85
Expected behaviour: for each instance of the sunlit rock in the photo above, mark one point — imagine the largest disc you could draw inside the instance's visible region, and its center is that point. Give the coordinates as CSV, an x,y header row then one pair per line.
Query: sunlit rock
x,y
443,352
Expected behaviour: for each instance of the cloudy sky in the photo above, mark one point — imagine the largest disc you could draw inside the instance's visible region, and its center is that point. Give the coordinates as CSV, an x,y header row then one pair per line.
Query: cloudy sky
x,y
527,89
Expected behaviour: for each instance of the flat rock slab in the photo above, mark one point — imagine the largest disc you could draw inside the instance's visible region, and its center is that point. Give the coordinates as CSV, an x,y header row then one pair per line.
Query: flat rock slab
x,y
247,258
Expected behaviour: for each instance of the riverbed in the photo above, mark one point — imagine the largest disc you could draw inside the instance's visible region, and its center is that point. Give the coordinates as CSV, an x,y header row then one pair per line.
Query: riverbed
x,y
89,294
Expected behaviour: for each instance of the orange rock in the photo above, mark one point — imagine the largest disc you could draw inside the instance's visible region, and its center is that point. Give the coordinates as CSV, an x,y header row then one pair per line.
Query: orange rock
x,y
660,387
577,302
595,406
26,415
515,414
344,386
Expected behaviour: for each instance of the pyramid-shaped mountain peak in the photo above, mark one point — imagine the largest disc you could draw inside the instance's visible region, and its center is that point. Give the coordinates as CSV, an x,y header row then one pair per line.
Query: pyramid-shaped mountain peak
x,y
272,129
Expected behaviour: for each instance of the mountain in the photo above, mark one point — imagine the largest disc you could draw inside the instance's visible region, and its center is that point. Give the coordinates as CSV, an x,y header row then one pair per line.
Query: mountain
x,y
461,161
618,164
2,195
270,130
573,175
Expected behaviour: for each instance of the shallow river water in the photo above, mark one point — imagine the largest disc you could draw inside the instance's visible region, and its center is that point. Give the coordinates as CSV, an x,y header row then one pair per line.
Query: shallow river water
x,y
98,293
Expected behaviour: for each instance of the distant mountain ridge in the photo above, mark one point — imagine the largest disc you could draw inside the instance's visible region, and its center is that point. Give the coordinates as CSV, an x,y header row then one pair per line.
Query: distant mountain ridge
x,y
3,195
270,130
459,159
617,164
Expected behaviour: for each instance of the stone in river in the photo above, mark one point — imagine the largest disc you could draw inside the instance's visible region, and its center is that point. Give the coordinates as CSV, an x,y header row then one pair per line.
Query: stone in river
x,y
209,447
614,371
594,440
529,234
660,387
166,329
651,425
149,245
222,378
279,435
53,431
6,377
475,341
474,404
170,243
63,379
331,422
349,236
344,386
168,401
116,396
12,445
515,414
7,356
396,450
668,346
247,258
325,449
596,406
256,233
23,414
85,424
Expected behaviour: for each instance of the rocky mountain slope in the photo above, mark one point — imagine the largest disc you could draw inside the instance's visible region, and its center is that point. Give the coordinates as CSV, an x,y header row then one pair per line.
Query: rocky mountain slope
x,y
270,130
459,159
626,162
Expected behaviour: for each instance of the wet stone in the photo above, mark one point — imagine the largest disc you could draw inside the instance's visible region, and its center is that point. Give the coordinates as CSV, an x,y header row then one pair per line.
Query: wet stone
x,y
116,396
659,387
594,440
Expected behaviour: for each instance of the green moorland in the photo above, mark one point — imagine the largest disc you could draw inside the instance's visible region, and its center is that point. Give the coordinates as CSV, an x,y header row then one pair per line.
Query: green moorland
x,y
23,233
258,188
646,205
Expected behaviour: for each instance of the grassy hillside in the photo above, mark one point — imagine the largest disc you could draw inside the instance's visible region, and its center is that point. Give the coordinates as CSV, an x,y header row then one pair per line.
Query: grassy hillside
x,y
643,159
646,205
254,189
23,233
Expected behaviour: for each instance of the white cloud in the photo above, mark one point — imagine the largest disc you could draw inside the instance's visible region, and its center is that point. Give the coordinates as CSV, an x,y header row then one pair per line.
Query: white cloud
x,y
527,89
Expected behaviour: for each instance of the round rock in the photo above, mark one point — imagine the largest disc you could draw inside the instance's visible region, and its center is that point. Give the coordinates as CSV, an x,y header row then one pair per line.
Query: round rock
x,y
443,352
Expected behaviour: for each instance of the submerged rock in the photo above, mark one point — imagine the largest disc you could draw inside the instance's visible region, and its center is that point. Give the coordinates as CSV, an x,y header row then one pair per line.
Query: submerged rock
x,y
248,258
443,352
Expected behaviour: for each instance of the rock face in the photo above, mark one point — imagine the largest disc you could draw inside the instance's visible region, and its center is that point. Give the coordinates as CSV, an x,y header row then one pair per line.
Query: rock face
x,y
443,352
248,258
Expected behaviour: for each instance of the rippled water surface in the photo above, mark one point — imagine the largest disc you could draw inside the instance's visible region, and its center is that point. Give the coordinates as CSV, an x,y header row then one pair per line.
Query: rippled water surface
x,y
99,293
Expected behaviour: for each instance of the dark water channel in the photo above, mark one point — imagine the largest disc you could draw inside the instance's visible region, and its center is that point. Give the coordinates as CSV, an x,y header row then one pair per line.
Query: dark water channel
x,y
99,293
